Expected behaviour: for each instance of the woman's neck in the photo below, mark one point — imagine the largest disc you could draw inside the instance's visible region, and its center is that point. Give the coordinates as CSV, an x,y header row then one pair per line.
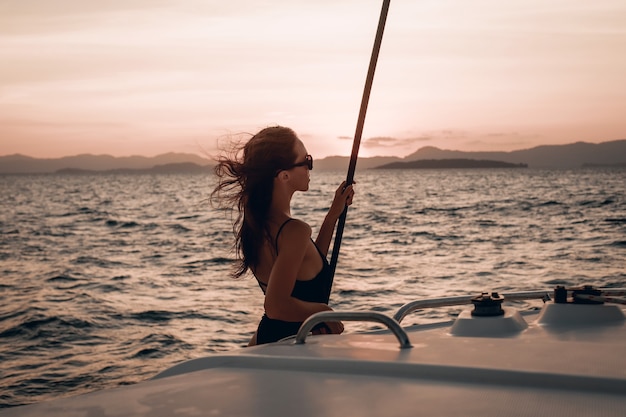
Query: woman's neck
x,y
281,203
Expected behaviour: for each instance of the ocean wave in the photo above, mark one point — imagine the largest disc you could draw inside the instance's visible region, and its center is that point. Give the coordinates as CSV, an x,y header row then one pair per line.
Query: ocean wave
x,y
122,270
41,326
63,279
121,224
179,228
159,345
93,261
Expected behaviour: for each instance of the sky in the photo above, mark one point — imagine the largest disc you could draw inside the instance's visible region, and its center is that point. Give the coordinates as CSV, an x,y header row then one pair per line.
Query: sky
x,y
145,77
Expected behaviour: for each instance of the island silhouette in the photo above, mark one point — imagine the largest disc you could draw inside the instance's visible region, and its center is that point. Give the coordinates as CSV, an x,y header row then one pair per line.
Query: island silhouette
x,y
569,156
457,163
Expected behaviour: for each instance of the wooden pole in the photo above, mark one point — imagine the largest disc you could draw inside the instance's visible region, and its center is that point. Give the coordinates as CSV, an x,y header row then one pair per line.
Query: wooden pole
x,y
359,130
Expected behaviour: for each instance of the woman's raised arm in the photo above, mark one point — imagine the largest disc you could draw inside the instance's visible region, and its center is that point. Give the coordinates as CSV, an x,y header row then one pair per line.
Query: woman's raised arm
x,y
343,197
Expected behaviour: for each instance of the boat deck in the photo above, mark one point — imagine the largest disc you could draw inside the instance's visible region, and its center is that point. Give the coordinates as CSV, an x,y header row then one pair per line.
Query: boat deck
x,y
566,360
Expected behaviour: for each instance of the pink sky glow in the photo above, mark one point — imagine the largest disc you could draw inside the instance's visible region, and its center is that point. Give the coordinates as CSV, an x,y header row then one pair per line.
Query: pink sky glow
x,y
145,77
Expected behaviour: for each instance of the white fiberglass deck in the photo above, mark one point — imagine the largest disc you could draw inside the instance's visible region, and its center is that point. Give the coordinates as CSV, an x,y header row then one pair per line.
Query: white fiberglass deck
x,y
566,361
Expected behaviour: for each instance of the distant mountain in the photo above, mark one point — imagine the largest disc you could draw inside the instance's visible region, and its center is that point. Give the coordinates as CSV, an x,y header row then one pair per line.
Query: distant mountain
x,y
450,163
570,156
176,168
575,155
20,164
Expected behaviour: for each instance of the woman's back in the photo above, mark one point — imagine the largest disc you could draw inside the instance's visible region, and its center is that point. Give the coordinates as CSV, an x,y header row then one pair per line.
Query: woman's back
x,y
309,286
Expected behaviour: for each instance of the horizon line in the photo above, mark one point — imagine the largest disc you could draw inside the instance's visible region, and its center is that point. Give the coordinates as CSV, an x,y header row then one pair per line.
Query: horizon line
x,y
329,156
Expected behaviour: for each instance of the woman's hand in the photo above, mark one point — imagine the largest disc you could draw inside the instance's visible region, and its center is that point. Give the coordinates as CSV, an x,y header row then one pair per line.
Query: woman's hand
x,y
343,198
329,327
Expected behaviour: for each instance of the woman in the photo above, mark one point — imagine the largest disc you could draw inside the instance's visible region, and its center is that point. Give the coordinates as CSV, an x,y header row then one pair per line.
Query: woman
x,y
259,179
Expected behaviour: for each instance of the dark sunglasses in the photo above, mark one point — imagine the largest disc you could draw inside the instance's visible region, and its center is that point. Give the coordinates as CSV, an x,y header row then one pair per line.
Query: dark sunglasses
x,y
308,162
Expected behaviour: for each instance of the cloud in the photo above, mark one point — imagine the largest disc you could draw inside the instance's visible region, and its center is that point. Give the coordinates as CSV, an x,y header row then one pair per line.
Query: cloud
x,y
391,142
8,123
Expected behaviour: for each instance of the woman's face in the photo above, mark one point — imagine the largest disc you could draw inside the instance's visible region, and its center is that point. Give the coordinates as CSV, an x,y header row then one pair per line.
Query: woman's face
x,y
300,174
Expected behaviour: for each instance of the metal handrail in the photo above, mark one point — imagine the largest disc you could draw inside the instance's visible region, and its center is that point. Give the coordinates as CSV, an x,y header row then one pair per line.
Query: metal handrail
x,y
369,316
602,299
437,302
613,291
464,299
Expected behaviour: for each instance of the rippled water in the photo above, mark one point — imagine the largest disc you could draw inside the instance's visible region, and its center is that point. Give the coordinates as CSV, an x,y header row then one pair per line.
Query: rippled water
x,y
109,279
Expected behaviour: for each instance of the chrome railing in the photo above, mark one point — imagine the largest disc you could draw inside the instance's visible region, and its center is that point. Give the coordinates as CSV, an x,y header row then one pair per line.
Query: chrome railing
x,y
393,323
367,316
464,299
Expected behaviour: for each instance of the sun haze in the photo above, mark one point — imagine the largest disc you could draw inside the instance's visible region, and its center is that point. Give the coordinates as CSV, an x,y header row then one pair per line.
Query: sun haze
x,y
126,77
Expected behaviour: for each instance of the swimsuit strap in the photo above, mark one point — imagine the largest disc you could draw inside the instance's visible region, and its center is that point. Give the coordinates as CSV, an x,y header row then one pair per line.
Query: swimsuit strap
x,y
262,285
280,229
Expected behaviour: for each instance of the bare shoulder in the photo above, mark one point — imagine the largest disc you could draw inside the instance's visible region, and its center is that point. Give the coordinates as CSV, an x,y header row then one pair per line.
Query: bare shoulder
x,y
295,230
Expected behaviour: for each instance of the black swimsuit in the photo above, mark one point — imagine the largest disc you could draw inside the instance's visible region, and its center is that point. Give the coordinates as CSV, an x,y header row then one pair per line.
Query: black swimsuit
x,y
316,290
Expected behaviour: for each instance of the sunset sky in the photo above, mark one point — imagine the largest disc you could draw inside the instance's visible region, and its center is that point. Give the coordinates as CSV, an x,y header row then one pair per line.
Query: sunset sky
x,y
127,77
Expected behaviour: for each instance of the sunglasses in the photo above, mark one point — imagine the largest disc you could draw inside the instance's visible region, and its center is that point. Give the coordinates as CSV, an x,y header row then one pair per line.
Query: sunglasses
x,y
308,162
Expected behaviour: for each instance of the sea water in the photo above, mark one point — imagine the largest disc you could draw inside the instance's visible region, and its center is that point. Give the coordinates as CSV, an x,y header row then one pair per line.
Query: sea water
x,y
108,279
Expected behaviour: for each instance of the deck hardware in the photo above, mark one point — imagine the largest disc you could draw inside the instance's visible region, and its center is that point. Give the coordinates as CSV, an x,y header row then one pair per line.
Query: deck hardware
x,y
560,294
488,305
371,316
586,290
587,294
462,300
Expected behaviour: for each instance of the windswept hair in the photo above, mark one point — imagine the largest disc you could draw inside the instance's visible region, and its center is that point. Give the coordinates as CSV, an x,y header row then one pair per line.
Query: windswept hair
x,y
246,183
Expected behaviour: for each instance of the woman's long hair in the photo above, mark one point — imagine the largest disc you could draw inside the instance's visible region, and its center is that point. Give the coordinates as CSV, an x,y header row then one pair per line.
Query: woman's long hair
x,y
246,182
